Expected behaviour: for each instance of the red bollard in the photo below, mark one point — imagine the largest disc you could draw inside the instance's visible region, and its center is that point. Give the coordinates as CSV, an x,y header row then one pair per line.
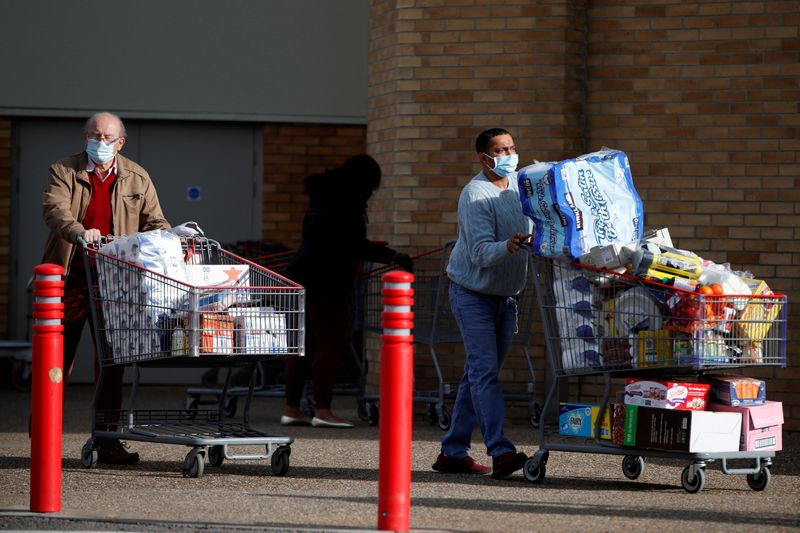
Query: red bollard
x,y
396,397
47,382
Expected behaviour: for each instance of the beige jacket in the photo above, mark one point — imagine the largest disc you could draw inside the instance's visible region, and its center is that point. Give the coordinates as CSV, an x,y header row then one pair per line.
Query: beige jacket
x,y
134,205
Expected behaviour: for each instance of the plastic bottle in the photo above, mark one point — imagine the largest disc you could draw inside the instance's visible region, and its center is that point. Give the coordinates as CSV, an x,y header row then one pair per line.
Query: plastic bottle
x,y
669,260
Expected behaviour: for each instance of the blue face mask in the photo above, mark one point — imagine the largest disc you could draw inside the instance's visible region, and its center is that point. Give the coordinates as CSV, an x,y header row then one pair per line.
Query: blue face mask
x,y
505,165
99,151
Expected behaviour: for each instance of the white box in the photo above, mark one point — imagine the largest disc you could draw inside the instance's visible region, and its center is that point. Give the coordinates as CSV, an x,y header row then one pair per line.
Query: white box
x,y
259,330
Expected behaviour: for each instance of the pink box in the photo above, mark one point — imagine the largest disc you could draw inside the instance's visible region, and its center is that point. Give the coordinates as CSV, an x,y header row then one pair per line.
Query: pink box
x,y
762,425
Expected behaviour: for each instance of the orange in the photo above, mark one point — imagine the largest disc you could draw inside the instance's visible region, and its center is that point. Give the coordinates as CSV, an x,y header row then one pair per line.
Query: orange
x,y
717,288
705,290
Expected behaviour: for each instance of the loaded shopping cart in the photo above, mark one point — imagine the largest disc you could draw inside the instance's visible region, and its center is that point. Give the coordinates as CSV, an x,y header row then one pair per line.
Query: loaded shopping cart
x,y
159,300
663,355
435,325
267,377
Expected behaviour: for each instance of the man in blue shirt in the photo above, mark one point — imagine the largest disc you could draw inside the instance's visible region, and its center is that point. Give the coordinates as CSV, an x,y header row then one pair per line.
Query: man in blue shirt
x,y
487,269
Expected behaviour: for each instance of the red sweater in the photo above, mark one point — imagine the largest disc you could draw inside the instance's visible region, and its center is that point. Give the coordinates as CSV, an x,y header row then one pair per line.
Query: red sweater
x,y
98,212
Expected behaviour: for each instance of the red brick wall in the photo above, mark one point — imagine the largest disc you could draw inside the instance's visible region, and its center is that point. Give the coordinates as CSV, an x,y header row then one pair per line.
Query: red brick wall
x,y
292,152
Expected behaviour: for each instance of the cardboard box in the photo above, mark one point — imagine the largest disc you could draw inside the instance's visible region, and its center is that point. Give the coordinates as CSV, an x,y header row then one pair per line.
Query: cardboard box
x,y
762,426
685,431
759,313
259,330
216,333
578,420
221,284
653,349
736,390
666,394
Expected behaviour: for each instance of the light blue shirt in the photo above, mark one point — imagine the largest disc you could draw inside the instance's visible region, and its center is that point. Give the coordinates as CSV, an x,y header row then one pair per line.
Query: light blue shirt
x,y
487,217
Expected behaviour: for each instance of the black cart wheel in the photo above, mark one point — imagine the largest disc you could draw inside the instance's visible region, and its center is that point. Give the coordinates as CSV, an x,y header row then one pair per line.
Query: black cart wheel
x,y
191,405
534,470
280,460
433,417
444,419
194,464
535,412
229,406
216,455
693,483
632,466
373,414
760,480
89,455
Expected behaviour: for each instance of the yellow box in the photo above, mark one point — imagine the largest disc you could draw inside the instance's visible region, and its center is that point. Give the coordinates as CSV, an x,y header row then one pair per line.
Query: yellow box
x,y
653,348
759,313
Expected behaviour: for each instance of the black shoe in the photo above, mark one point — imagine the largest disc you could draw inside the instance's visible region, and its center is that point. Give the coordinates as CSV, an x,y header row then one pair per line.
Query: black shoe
x,y
506,464
115,453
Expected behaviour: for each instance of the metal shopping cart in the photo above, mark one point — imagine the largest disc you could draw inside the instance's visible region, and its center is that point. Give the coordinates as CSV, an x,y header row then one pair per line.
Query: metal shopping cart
x,y
145,318
614,326
434,325
268,376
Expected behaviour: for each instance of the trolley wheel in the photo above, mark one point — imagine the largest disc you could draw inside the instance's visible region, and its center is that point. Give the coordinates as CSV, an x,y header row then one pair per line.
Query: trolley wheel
x,y
229,406
194,463
89,455
534,470
535,411
191,406
693,484
760,480
373,414
280,460
632,466
444,419
361,409
432,416
216,455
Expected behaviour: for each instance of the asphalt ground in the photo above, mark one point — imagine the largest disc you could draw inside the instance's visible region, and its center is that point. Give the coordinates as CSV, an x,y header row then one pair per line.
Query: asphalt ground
x,y
332,481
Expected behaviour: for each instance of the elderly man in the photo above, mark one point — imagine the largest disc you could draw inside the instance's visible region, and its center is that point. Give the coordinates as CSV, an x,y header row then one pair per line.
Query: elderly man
x,y
96,192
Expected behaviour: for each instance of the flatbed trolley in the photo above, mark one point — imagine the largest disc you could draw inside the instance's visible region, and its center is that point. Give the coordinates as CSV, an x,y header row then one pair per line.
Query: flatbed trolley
x,y
145,318
435,325
266,379
611,325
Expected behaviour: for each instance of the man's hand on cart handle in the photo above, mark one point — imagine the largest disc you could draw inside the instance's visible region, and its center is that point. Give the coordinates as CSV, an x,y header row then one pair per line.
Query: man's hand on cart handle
x,y
89,236
517,241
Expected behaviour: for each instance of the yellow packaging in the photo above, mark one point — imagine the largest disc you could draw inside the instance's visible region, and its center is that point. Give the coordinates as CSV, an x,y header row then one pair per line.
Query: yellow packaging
x,y
653,348
759,313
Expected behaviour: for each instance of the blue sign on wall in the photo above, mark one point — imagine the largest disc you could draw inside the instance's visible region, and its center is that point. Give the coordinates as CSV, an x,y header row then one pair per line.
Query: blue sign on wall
x,y
194,193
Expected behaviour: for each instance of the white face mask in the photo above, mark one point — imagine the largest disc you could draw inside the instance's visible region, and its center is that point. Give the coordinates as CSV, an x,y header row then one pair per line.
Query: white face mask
x,y
99,151
505,165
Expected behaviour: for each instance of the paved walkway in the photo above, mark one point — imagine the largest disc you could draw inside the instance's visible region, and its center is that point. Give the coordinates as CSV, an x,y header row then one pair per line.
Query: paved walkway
x,y
331,485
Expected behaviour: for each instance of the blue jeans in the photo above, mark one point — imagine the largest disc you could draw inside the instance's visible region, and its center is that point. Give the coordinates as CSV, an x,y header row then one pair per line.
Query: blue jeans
x,y
487,325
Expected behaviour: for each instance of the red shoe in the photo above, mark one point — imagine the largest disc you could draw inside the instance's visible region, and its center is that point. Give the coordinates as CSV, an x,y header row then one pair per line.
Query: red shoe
x,y
463,465
506,464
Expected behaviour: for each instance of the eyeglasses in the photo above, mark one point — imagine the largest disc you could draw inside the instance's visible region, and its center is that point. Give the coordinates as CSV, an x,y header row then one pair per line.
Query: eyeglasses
x,y
105,138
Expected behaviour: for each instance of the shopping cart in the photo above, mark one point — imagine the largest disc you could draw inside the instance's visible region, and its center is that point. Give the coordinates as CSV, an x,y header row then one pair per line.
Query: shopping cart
x,y
268,376
144,318
613,326
435,325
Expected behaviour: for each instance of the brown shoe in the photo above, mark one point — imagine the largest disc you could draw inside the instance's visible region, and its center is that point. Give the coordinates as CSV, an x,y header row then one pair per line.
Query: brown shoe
x,y
115,453
506,464
463,465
